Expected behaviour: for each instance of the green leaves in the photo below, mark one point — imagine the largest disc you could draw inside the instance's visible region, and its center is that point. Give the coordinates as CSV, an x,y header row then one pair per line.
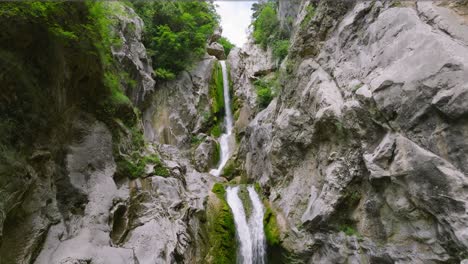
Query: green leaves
x,y
227,45
176,33
267,30
266,24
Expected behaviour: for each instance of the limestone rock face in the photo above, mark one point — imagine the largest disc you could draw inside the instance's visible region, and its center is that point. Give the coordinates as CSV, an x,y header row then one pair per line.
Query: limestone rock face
x,y
216,34
132,55
177,107
206,154
246,64
217,50
363,153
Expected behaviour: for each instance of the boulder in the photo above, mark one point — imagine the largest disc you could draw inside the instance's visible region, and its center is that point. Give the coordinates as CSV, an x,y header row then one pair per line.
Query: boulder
x,y
206,155
217,50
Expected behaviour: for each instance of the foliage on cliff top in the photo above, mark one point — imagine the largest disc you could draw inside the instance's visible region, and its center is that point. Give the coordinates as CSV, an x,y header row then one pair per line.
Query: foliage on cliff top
x,y
59,61
267,31
175,32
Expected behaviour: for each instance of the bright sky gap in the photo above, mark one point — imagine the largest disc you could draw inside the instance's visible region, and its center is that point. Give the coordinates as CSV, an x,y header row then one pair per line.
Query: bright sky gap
x,y
235,19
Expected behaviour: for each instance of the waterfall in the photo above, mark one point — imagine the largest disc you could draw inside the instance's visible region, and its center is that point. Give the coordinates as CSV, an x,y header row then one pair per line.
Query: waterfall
x,y
256,228
226,140
250,234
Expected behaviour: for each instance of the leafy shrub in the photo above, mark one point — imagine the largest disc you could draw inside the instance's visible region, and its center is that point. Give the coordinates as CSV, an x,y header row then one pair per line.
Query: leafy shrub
x,y
164,74
280,49
176,32
227,45
266,24
267,30
265,91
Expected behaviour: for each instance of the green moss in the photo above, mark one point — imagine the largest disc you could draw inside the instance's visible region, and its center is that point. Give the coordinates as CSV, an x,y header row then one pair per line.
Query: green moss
x,y
245,198
214,118
134,166
272,232
258,188
229,169
217,154
221,230
196,140
310,14
217,91
219,190
349,230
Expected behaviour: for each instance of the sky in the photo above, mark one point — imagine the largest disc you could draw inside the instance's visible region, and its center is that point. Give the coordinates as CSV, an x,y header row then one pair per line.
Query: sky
x,y
235,19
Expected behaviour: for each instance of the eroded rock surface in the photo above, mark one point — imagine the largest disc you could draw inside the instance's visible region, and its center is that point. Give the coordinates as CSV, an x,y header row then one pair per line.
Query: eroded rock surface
x,y
178,108
364,152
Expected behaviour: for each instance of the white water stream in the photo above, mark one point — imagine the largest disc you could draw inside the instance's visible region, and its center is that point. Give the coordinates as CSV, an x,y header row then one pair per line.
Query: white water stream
x,y
250,234
226,141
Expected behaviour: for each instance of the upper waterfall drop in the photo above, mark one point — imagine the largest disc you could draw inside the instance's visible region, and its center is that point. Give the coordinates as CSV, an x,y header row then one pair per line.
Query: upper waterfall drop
x,y
226,140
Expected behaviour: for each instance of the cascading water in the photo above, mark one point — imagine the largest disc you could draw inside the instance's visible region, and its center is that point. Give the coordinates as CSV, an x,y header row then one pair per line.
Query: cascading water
x,y
256,228
226,140
242,228
250,234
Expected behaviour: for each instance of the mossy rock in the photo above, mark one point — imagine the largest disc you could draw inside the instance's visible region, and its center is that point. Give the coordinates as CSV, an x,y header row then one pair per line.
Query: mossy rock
x,y
222,245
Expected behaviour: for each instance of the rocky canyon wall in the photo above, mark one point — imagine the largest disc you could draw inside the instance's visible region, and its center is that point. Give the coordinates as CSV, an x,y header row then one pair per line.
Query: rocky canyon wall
x,y
363,152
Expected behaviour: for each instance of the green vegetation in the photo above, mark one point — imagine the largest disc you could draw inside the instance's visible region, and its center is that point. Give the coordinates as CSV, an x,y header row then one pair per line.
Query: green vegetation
x,y
216,116
266,90
267,30
134,167
227,45
272,233
231,169
280,49
196,140
221,229
310,14
176,33
219,190
349,230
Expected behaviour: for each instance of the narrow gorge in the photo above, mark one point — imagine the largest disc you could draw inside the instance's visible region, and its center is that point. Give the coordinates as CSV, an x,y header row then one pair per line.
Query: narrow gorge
x,y
135,132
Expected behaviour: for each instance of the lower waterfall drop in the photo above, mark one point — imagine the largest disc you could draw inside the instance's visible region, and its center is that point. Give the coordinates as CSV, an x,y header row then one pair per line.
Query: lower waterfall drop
x,y
250,233
256,228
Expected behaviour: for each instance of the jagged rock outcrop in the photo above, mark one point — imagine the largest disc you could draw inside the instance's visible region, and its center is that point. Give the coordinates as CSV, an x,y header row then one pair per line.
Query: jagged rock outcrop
x,y
362,153
132,56
178,108
63,196
246,65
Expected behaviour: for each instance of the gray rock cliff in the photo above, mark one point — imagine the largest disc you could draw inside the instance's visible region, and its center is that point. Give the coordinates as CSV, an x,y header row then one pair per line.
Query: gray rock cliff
x,y
363,153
